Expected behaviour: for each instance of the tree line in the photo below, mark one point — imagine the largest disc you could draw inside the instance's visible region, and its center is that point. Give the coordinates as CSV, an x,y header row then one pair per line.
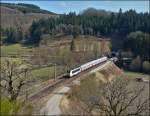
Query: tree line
x,y
138,43
89,22
71,24
135,53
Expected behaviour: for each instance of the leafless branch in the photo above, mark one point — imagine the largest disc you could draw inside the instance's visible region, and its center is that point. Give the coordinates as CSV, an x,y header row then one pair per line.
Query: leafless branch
x,y
11,74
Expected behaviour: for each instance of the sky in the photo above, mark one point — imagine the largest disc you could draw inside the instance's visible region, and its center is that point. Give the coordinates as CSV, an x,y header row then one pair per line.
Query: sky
x,y
61,7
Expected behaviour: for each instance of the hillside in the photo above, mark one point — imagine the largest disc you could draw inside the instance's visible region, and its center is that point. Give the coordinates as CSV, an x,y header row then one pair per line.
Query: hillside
x,y
21,14
91,90
26,8
89,86
6,10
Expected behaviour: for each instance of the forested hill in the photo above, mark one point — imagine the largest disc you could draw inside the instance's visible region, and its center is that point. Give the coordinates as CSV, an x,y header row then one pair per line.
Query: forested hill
x,y
98,24
121,23
95,12
21,15
26,8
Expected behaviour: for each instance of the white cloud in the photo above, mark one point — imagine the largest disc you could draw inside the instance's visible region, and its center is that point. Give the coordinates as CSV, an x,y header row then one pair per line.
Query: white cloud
x,y
69,4
62,4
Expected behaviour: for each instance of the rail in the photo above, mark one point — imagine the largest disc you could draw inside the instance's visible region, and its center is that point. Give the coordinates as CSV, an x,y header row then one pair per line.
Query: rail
x,y
61,80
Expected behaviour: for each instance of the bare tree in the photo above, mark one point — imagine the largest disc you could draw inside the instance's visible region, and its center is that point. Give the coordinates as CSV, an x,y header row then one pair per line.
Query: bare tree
x,y
72,45
117,98
41,56
13,77
96,51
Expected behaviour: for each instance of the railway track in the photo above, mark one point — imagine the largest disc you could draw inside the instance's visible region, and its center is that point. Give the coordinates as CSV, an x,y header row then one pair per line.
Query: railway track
x,y
62,80
48,89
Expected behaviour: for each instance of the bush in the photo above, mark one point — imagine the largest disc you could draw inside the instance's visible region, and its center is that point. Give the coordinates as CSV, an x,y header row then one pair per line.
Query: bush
x,y
85,91
5,107
9,108
146,66
136,64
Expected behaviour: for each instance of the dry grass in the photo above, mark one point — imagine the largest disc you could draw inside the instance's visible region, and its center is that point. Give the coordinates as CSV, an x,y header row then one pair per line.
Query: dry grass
x,y
64,104
17,17
88,87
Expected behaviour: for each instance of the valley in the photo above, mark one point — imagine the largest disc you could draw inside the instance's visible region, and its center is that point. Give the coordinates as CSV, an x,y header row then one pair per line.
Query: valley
x,y
92,62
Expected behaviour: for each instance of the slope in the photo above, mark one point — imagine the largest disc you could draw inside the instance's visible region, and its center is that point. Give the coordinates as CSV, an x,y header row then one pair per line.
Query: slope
x,y
13,15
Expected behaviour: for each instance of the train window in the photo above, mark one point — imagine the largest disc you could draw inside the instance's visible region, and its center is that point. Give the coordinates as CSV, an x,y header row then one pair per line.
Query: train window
x,y
76,70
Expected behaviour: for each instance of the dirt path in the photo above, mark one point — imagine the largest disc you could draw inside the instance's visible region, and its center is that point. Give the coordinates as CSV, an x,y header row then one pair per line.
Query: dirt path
x,y
52,106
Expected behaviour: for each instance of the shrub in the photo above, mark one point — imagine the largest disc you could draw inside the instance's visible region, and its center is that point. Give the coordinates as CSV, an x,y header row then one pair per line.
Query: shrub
x,y
136,64
88,87
146,66
9,108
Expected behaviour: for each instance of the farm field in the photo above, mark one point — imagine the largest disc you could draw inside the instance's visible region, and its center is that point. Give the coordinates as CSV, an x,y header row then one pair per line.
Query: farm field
x,y
14,50
46,73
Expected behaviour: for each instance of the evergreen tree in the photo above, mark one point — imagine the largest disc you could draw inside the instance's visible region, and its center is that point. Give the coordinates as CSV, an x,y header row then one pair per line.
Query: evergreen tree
x,y
104,23
11,35
76,31
146,66
72,45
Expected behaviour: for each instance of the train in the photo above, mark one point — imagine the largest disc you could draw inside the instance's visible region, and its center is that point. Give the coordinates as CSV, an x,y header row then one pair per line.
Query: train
x,y
86,66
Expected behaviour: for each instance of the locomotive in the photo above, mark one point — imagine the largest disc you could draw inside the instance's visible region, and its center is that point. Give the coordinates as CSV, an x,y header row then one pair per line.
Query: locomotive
x,y
86,66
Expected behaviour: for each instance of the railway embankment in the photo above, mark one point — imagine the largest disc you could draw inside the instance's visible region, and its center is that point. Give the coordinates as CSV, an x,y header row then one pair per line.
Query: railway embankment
x,y
79,97
58,95
89,85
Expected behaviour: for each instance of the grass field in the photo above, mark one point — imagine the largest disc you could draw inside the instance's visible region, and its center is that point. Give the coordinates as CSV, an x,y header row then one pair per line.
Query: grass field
x,y
134,74
15,59
46,73
14,49
8,51
43,73
40,73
